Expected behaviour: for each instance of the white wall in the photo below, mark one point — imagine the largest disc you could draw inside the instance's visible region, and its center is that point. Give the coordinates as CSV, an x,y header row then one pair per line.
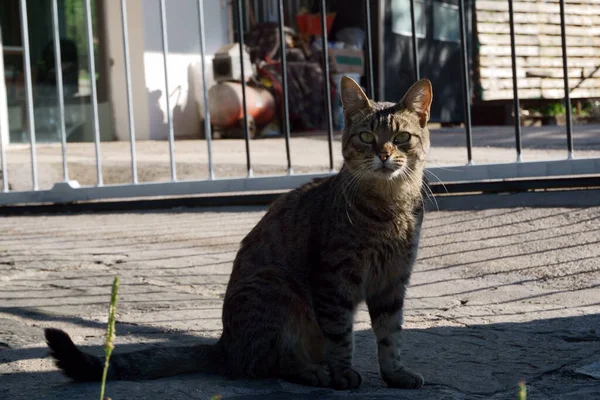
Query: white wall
x,y
183,61
116,70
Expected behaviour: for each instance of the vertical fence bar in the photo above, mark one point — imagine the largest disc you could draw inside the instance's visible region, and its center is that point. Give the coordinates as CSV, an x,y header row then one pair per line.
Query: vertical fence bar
x,y
28,91
380,51
240,11
465,77
369,50
94,95
563,38
327,82
134,172
59,89
286,107
165,45
207,129
415,49
3,165
513,54
4,140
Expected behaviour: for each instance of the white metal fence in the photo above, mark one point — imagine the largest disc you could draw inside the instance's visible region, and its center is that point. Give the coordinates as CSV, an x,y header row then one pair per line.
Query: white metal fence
x,y
68,190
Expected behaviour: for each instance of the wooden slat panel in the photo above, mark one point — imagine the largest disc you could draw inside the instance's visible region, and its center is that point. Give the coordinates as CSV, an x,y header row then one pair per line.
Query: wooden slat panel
x,y
538,18
589,83
529,7
553,88
582,2
522,51
536,62
539,83
538,48
571,52
503,84
508,94
535,40
557,94
535,29
586,93
506,72
541,51
572,40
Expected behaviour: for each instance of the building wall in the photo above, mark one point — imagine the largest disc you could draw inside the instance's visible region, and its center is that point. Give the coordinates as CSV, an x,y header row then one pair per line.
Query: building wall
x,y
147,73
183,61
116,69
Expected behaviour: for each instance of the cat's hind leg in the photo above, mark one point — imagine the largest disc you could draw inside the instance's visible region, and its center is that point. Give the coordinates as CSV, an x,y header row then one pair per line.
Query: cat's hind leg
x,y
268,327
303,360
270,330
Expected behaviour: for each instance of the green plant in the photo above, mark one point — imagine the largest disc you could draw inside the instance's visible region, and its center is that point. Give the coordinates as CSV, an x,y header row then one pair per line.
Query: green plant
x,y
110,333
551,110
559,109
522,391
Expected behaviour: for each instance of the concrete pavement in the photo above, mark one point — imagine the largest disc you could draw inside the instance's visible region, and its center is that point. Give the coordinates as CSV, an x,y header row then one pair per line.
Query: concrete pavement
x,y
498,296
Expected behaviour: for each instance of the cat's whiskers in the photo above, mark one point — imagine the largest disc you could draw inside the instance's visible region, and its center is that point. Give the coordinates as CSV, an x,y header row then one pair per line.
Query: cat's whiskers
x,y
428,191
451,169
353,184
351,189
349,183
436,177
346,184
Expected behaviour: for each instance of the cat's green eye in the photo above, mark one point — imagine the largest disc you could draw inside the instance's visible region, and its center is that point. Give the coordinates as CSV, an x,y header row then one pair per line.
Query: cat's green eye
x,y
367,137
401,138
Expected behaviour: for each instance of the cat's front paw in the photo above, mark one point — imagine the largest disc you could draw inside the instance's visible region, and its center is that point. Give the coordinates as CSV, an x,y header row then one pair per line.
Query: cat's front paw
x,y
343,378
403,379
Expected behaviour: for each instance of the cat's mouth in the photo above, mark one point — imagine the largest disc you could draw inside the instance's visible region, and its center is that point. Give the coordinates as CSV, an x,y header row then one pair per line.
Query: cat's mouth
x,y
385,169
388,171
388,166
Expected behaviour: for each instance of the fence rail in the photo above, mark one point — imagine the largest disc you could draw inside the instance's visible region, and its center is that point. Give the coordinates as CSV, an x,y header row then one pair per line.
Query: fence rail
x,y
70,191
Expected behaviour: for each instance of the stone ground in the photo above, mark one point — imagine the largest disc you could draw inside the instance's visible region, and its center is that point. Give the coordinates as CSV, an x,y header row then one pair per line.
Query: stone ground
x,y
309,154
498,295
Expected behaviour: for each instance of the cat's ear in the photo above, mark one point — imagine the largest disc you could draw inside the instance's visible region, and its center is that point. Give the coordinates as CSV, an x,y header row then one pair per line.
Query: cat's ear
x,y
354,100
418,99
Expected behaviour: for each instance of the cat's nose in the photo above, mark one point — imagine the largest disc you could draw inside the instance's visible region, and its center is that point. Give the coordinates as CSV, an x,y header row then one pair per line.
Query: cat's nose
x,y
383,157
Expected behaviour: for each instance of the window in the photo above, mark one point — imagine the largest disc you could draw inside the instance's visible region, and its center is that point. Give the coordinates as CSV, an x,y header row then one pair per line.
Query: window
x,y
401,23
446,25
75,72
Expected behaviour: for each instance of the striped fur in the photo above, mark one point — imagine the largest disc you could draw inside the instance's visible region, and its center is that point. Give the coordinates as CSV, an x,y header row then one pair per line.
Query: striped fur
x,y
317,253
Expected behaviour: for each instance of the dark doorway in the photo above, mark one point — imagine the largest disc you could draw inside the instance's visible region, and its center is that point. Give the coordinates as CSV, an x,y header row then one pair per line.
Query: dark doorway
x,y
438,38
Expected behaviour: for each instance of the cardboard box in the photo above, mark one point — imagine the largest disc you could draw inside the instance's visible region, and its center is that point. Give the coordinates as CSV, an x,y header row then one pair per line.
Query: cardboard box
x,y
347,61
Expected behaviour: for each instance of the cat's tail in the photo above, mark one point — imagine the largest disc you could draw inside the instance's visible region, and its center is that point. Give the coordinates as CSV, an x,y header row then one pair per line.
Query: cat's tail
x,y
138,365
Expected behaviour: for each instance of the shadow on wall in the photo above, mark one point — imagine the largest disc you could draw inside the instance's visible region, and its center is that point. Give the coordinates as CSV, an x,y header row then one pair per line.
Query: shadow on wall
x,y
187,123
157,115
187,103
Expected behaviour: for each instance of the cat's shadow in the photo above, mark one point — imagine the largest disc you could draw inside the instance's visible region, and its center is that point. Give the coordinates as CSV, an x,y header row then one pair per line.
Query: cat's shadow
x,y
475,359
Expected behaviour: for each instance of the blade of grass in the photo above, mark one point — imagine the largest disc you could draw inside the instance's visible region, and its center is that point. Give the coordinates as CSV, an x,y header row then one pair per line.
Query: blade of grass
x,y
522,391
110,333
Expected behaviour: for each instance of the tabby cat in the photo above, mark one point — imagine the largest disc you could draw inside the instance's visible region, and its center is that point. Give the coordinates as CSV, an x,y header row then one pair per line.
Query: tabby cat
x,y
302,271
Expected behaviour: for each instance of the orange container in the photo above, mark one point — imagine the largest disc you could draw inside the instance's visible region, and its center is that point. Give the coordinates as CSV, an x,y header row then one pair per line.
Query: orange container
x,y
225,104
310,24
